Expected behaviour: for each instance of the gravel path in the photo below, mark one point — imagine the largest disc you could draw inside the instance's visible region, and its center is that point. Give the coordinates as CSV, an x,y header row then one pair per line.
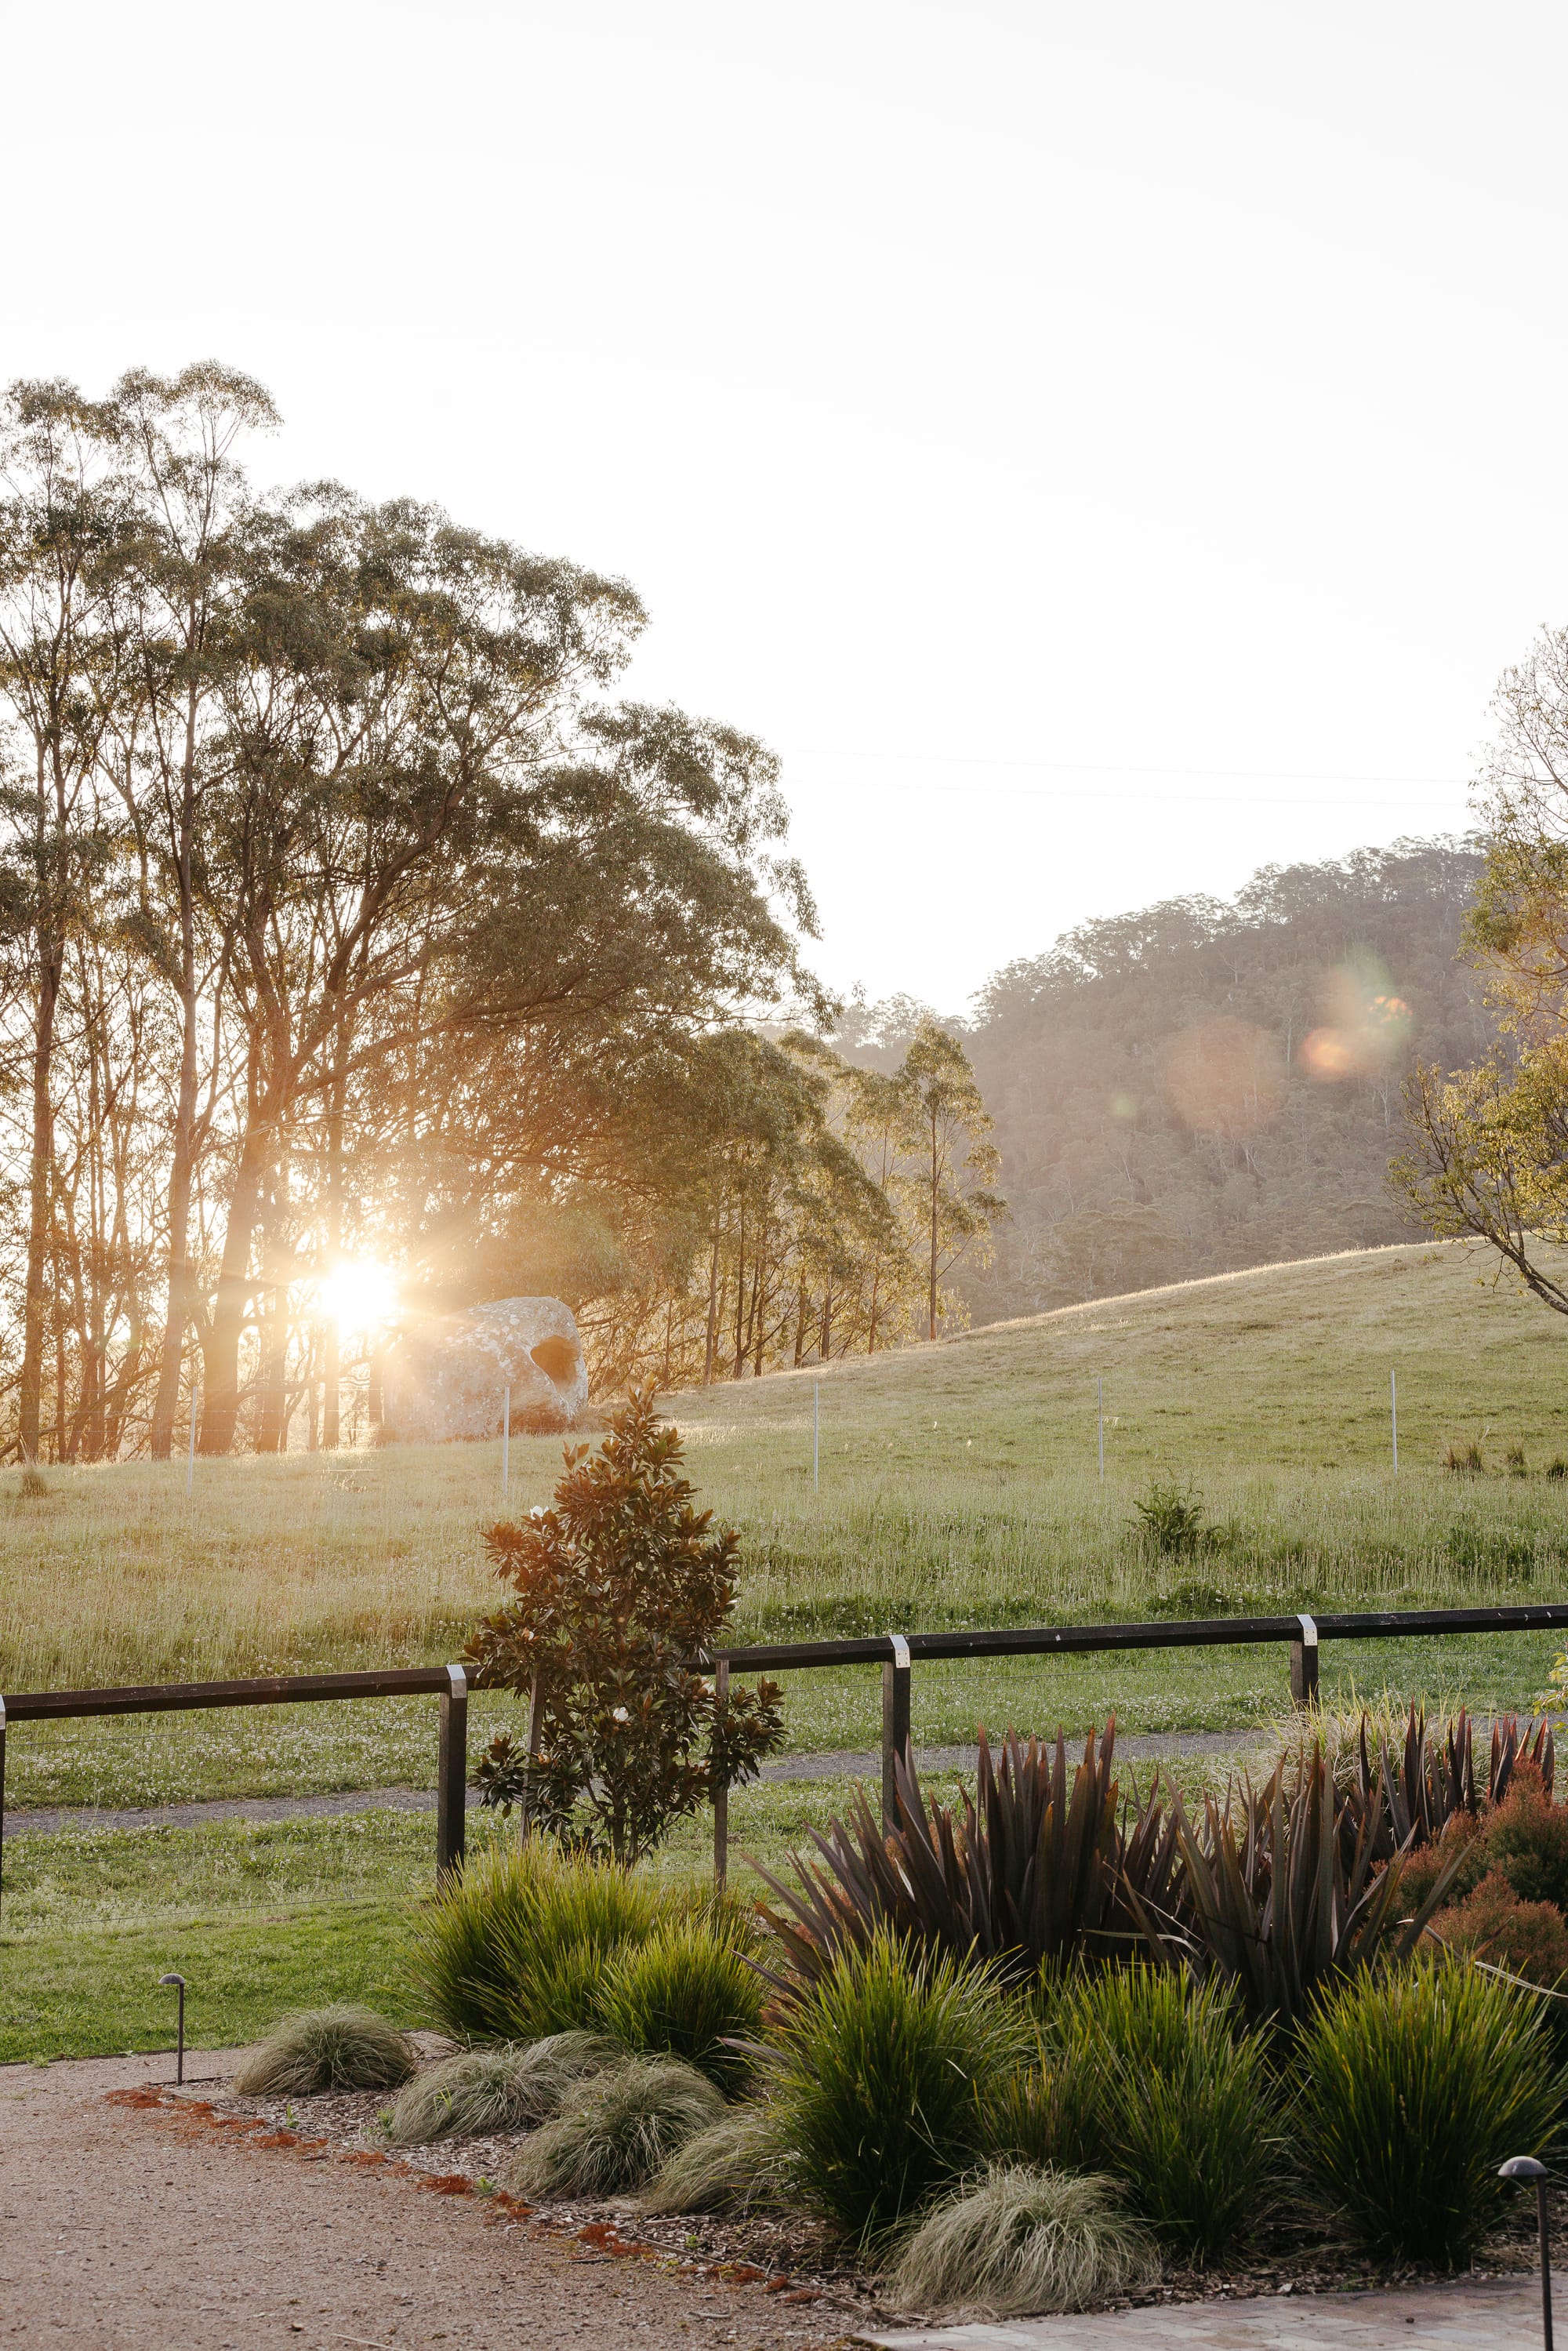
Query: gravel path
x,y
833,1765
128,2228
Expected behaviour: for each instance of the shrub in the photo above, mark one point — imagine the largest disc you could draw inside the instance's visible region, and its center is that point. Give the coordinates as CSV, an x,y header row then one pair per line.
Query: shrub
x,y
685,1992
505,2089
1038,1867
615,1589
1180,2101
1425,1781
1044,2114
1527,1838
1024,2240
616,2130
1455,1857
1417,2083
734,2166
32,1485
1171,1518
1527,1938
1284,1893
517,1946
339,2048
1465,1458
1518,1467
882,2079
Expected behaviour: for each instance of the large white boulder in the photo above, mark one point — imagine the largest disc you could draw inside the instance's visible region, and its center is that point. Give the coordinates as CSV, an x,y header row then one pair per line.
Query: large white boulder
x,y
447,1376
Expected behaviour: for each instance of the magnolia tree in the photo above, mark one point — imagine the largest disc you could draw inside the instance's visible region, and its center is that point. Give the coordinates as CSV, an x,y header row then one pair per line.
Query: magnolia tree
x,y
619,1590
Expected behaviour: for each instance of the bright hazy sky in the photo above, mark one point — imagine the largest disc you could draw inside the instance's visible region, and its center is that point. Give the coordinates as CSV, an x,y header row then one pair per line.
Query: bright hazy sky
x,y
1103,447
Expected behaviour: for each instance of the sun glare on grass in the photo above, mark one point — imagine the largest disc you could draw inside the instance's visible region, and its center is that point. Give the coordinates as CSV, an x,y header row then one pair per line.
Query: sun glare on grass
x,y
358,1294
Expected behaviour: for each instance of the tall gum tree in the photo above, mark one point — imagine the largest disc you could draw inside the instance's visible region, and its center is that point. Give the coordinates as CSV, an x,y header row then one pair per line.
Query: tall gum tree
x,y
184,573
62,529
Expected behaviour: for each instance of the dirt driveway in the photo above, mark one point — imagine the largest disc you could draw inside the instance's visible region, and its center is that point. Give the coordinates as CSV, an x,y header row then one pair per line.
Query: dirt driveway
x,y
125,2226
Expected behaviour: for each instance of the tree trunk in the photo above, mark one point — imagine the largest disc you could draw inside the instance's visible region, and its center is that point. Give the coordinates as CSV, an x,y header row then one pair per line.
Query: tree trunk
x,y
35,1305
220,1404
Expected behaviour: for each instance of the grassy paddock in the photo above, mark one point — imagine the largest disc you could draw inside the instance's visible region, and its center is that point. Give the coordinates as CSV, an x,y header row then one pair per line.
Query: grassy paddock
x,y
958,1489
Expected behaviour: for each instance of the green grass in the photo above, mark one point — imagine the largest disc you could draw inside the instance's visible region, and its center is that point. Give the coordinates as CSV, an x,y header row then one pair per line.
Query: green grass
x,y
261,1916
958,1489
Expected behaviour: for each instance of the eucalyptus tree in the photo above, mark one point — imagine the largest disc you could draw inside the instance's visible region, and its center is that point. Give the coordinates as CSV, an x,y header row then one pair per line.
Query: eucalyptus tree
x,y
63,523
190,562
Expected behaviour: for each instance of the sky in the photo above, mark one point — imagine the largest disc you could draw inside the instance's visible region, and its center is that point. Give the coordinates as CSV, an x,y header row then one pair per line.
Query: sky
x,y
1102,449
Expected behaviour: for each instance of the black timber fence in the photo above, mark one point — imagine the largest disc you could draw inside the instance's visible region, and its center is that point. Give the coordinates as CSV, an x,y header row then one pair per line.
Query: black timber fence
x,y
896,1653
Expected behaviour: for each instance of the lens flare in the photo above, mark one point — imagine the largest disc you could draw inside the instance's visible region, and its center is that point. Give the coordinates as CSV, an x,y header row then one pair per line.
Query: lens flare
x,y
358,1294
1367,1023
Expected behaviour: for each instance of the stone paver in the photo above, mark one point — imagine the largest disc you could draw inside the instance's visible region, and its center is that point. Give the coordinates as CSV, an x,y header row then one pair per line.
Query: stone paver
x,y
1487,2314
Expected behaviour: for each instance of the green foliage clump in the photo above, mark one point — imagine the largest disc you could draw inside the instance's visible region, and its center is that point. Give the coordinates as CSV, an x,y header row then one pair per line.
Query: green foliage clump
x,y
484,2090
1170,1517
882,2076
1022,2240
616,1588
615,2129
685,1991
1172,2092
344,2047
1417,2083
516,1948
736,2165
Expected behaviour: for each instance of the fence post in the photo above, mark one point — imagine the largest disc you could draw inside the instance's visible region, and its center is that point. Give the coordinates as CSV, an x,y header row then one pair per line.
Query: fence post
x,y
895,1726
2,1794
721,1787
1304,1664
452,1775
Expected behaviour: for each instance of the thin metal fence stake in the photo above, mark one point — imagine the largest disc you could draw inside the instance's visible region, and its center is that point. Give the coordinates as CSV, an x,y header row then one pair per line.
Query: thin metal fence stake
x,y
1099,1408
1394,1415
180,2043
191,1454
816,1437
505,1445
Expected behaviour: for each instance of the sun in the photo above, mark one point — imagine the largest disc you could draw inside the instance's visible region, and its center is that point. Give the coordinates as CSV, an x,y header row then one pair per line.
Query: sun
x,y
358,1293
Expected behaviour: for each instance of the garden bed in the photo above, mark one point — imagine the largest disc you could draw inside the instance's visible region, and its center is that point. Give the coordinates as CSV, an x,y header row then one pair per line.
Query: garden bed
x,y
797,2256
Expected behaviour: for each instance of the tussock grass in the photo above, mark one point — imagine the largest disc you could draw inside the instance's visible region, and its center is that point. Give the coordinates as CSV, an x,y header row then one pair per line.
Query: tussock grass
x,y
737,2165
688,1993
343,2047
1024,2240
616,2130
481,2090
1416,2086
1172,2093
882,2079
519,1946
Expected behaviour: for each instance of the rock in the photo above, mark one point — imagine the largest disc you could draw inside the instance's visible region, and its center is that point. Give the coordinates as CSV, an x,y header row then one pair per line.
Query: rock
x,y
446,1377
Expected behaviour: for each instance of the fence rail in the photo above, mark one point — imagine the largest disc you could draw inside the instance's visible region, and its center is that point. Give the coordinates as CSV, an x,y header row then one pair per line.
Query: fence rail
x,y
449,1684
895,1653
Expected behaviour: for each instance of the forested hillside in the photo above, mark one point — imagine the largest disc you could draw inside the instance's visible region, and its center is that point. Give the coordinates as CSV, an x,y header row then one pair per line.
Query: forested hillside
x,y
1205,1083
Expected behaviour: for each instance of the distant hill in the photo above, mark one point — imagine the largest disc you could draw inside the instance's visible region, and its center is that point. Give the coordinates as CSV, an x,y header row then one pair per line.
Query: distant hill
x,y
1208,1084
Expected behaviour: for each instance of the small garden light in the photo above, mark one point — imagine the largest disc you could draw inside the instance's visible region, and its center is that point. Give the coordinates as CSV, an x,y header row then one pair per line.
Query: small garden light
x,y
1521,2167
180,2057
